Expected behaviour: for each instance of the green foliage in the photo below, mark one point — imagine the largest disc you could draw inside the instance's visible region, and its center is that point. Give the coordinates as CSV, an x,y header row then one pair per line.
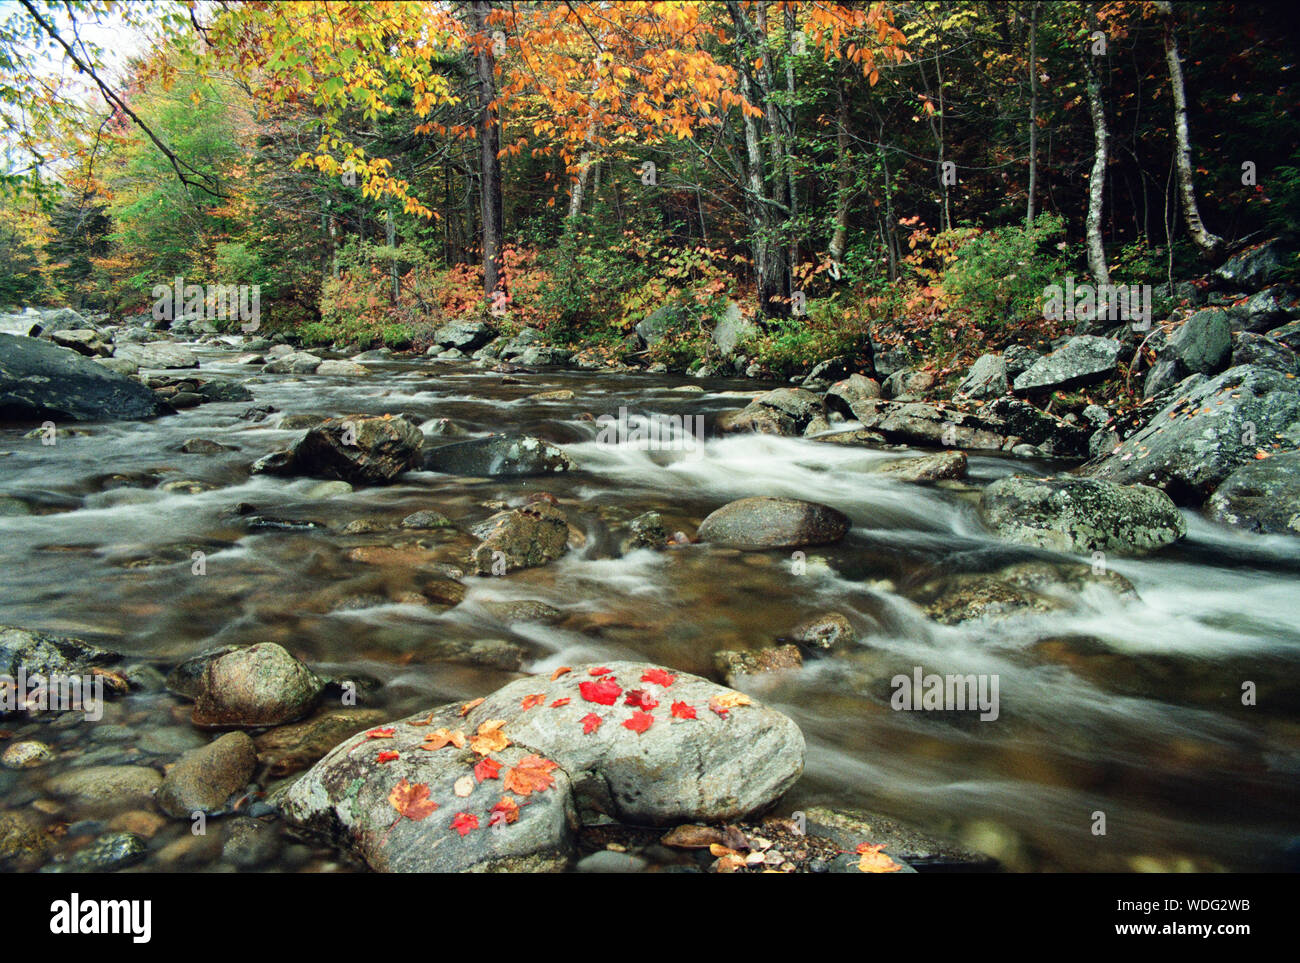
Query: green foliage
x,y
997,276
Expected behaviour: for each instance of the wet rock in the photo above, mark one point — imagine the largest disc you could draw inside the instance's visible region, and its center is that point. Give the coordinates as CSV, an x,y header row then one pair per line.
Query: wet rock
x,y
24,846
488,653
426,519
1017,418
85,341
848,828
203,446
40,653
560,394
645,531
830,632
732,664
205,778
329,489
360,449
1083,360
825,373
926,468
40,381
260,685
609,861
106,787
867,439
986,379
1287,334
1019,589
295,362
250,843
285,750
157,354
762,522
28,754
347,368
523,538
1072,514
1261,496
109,853
523,610
783,411
1212,427
497,456
844,394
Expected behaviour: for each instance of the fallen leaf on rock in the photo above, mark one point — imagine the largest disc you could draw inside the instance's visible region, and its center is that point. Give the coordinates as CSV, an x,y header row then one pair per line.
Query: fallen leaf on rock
x,y
505,812
681,710
719,850
726,701
659,677
424,722
560,702
412,800
464,822
531,774
468,707
381,733
601,670
691,836
487,768
602,693
562,670
444,737
874,860
533,700
591,722
640,721
388,755
489,738
641,699
464,785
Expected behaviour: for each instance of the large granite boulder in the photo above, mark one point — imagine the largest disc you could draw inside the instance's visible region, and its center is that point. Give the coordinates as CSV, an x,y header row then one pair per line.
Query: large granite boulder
x,y
1261,496
360,449
1083,360
763,522
40,380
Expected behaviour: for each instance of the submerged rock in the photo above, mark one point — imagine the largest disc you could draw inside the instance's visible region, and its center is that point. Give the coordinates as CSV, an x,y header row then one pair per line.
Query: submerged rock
x,y
40,653
1072,514
763,522
205,778
783,411
830,632
926,468
524,538
360,449
259,685
497,456
732,664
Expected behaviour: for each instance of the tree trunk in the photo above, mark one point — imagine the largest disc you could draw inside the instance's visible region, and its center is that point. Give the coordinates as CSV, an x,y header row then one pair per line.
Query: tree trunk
x,y
1097,181
489,132
1201,236
844,175
1033,112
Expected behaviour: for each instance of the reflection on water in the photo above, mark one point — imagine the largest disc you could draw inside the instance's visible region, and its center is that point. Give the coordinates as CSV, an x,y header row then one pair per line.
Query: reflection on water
x,y
1126,705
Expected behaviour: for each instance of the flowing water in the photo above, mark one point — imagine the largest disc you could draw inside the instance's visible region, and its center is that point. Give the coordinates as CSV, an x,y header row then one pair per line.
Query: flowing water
x,y
1131,707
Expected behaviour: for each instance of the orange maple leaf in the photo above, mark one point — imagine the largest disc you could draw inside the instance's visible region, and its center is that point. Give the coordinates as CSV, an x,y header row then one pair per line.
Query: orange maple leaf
x,y
874,860
560,702
381,733
388,755
725,701
531,774
489,738
487,768
471,705
443,737
412,800
562,670
533,700
506,811
640,722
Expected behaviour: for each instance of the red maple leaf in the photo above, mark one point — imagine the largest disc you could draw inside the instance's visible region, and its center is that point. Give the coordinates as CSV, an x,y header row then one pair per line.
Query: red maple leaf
x,y
640,722
381,733
388,755
683,711
560,702
464,822
506,811
659,677
604,693
533,700
591,722
487,769
641,699
598,671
